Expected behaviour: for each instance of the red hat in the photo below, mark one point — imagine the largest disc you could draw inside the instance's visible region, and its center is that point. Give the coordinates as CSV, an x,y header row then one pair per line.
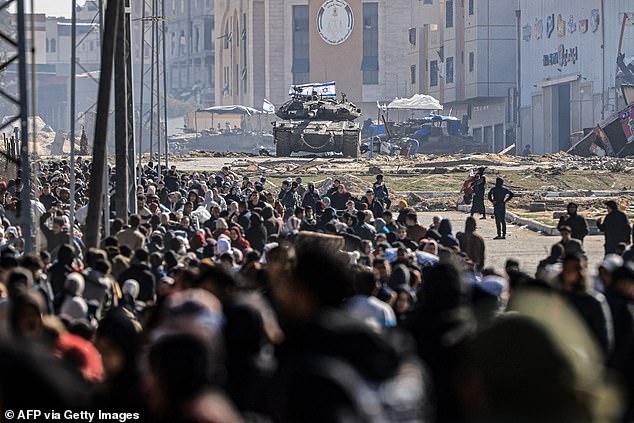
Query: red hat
x,y
82,354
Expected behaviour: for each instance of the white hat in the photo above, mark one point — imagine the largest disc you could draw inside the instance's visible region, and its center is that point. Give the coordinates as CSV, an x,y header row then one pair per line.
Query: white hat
x,y
131,287
223,245
75,308
611,262
494,285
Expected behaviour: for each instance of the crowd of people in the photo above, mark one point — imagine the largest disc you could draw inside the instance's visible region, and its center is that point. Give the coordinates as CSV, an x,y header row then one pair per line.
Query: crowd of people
x,y
229,299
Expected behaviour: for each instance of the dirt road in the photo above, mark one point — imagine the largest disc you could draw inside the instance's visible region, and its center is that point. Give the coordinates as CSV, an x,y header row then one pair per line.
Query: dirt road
x,y
523,244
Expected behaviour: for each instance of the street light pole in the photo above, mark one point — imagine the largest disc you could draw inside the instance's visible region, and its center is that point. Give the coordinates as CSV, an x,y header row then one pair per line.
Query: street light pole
x,y
73,71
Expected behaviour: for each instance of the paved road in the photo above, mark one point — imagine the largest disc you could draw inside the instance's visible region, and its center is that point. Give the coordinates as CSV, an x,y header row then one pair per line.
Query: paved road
x,y
523,244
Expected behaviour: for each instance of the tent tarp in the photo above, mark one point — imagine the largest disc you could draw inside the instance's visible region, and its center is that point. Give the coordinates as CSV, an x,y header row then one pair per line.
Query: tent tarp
x,y
417,102
235,109
438,118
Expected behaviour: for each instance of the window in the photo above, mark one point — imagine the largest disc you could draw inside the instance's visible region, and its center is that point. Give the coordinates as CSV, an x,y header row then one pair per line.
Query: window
x,y
433,73
471,6
301,64
477,135
449,73
412,74
370,63
471,61
53,45
449,14
196,39
412,36
243,35
47,45
428,1
208,34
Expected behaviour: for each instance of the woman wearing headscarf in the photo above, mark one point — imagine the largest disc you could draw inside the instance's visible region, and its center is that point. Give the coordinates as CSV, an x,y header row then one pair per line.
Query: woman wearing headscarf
x,y
232,211
340,197
256,234
233,195
221,228
237,240
272,224
328,215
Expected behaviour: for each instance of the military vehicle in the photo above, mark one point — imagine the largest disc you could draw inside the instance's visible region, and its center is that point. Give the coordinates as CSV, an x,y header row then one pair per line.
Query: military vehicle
x,y
432,134
317,124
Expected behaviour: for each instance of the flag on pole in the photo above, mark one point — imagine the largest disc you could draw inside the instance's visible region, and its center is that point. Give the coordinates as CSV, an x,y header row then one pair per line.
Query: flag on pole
x,y
326,89
268,107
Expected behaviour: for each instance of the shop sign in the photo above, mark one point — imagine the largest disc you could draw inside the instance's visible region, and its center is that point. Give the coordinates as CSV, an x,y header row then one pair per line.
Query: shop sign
x,y
561,26
550,25
538,29
562,56
526,32
572,25
583,26
594,20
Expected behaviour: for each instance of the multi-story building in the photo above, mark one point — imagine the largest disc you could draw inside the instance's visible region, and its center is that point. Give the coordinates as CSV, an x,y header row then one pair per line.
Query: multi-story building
x,y
471,62
190,50
568,67
371,49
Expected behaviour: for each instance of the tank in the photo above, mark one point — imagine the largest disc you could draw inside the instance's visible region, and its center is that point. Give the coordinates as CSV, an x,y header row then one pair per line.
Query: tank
x,y
317,124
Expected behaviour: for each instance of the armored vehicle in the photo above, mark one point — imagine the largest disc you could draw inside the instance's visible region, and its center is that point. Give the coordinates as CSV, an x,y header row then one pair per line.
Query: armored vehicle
x,y
317,124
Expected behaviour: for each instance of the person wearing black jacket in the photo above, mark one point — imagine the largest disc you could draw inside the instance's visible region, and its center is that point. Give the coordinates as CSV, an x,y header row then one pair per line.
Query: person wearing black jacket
x,y
381,192
140,272
499,196
615,226
479,185
577,224
54,237
591,306
374,205
256,234
310,197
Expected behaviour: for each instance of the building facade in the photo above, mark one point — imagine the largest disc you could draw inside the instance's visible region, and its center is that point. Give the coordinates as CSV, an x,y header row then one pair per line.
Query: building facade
x,y
471,61
190,50
371,49
568,67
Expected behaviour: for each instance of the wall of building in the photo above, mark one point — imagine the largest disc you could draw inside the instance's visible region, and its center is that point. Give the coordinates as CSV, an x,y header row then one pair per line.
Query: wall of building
x,y
474,52
579,49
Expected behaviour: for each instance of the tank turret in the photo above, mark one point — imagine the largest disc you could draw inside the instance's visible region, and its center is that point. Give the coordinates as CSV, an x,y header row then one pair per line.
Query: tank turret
x,y
317,124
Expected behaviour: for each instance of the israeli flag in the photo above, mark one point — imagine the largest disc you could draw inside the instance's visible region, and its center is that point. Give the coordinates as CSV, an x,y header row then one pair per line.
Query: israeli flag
x,y
268,107
326,89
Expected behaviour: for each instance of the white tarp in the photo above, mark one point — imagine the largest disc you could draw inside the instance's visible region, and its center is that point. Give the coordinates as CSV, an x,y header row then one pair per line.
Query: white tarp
x,y
235,109
417,102
325,89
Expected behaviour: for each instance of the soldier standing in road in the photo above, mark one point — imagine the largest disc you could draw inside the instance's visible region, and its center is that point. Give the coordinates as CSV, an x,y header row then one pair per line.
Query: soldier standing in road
x,y
499,196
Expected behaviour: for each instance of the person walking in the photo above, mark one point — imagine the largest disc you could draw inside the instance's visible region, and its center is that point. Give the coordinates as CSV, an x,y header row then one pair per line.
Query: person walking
x,y
615,226
577,224
499,196
472,242
479,186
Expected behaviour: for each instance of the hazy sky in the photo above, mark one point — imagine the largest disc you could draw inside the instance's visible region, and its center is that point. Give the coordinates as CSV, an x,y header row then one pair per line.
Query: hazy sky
x,y
53,7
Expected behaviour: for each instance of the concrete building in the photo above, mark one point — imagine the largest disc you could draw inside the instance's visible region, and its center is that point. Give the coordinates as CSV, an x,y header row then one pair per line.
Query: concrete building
x,y
372,49
568,67
471,62
190,50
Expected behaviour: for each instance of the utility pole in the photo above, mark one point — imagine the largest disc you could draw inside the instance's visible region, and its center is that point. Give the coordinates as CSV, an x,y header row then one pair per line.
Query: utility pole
x,y
163,36
132,204
101,126
73,72
26,212
120,118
